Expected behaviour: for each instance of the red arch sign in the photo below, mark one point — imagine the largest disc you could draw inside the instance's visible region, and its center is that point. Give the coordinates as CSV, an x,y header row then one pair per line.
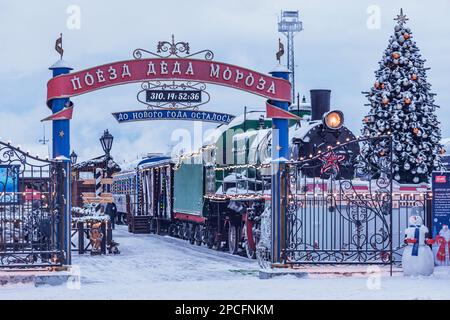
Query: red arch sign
x,y
131,71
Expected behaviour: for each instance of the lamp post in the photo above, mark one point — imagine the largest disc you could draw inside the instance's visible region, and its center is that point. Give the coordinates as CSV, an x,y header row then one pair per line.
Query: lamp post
x,y
73,161
73,158
106,140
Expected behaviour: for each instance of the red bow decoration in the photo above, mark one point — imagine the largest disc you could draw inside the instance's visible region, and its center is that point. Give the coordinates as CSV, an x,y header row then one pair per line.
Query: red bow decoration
x,y
331,162
441,251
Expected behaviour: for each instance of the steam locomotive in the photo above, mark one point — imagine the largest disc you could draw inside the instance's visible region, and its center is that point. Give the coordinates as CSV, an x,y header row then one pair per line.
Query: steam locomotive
x,y
216,196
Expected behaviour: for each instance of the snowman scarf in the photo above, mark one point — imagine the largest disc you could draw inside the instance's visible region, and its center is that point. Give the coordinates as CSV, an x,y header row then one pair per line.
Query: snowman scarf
x,y
415,249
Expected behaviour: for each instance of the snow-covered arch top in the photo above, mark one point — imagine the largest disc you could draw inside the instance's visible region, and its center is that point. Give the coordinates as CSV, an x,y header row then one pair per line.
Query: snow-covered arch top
x,y
139,70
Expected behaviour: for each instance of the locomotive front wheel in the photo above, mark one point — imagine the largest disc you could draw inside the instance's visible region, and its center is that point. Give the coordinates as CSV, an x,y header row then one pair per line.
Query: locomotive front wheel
x,y
251,254
191,234
217,241
210,239
198,235
233,239
158,226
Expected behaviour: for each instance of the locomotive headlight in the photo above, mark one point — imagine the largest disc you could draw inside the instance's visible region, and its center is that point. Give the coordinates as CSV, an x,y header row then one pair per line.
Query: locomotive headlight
x,y
333,120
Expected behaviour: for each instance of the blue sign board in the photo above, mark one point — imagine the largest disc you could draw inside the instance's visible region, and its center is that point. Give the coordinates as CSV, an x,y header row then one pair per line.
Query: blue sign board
x,y
162,114
440,187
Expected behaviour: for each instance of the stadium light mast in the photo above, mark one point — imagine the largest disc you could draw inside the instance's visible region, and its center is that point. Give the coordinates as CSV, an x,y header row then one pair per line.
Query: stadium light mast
x,y
289,25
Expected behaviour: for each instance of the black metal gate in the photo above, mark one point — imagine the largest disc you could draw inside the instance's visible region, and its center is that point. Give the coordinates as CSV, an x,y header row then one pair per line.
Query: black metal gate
x,y
340,207
31,207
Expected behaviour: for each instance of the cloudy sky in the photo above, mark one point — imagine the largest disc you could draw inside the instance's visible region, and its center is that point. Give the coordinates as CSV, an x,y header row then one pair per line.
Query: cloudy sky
x,y
338,49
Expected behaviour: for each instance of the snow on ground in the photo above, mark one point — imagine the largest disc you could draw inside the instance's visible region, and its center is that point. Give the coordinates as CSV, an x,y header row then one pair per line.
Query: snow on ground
x,y
156,267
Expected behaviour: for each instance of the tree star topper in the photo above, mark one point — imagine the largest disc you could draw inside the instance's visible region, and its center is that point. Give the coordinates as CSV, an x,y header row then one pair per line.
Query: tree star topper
x,y
401,18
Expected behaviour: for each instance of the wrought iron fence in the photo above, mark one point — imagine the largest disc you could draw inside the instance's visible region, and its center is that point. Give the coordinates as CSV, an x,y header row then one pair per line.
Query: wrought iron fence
x,y
30,210
340,207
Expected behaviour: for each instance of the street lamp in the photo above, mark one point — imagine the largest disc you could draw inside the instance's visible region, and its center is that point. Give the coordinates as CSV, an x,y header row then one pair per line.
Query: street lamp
x,y
106,140
73,158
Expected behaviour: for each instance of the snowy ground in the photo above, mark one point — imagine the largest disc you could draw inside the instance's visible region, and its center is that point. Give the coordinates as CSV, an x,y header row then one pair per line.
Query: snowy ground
x,y
153,267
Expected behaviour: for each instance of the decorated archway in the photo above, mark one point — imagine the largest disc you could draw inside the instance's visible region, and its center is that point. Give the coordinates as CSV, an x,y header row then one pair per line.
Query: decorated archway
x,y
174,62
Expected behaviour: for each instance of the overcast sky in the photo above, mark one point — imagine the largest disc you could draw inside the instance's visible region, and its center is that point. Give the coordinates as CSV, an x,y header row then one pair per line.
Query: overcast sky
x,y
336,50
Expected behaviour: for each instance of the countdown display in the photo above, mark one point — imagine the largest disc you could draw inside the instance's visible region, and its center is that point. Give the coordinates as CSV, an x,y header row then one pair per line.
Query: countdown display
x,y
194,96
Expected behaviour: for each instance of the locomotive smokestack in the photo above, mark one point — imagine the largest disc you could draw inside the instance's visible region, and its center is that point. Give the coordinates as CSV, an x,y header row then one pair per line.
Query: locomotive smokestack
x,y
320,103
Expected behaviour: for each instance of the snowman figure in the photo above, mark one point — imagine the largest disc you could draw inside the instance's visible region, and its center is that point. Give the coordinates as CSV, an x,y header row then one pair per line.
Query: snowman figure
x,y
417,259
441,247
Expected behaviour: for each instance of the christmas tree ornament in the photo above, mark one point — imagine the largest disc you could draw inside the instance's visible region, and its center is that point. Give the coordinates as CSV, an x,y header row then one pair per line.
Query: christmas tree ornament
x,y
435,163
406,36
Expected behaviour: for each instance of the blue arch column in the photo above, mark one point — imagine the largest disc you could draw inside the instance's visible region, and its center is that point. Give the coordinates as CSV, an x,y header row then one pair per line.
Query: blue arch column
x,y
280,155
61,128
61,153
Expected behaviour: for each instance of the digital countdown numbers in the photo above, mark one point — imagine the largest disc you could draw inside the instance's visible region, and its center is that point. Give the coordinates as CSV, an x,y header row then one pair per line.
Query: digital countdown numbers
x,y
194,96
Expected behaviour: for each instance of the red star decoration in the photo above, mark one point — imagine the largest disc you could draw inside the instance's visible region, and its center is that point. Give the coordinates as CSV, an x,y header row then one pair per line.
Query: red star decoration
x,y
331,162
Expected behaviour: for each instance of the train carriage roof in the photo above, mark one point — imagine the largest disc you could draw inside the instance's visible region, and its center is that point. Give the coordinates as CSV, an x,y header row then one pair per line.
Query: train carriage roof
x,y
154,161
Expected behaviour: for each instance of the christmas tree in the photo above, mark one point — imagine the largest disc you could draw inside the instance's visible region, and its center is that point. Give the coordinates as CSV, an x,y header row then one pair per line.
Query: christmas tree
x,y
402,105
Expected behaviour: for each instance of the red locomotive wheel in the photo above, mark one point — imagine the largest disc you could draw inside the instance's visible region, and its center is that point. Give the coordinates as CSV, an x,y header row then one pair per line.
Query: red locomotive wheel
x,y
233,238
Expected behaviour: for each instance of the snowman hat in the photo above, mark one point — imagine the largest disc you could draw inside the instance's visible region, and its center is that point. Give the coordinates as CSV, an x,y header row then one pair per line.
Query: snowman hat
x,y
415,221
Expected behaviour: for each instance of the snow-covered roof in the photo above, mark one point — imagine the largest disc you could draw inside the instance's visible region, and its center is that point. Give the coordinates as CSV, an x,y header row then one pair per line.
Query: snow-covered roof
x,y
280,68
154,161
61,64
149,161
300,132
95,162
239,120
301,106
